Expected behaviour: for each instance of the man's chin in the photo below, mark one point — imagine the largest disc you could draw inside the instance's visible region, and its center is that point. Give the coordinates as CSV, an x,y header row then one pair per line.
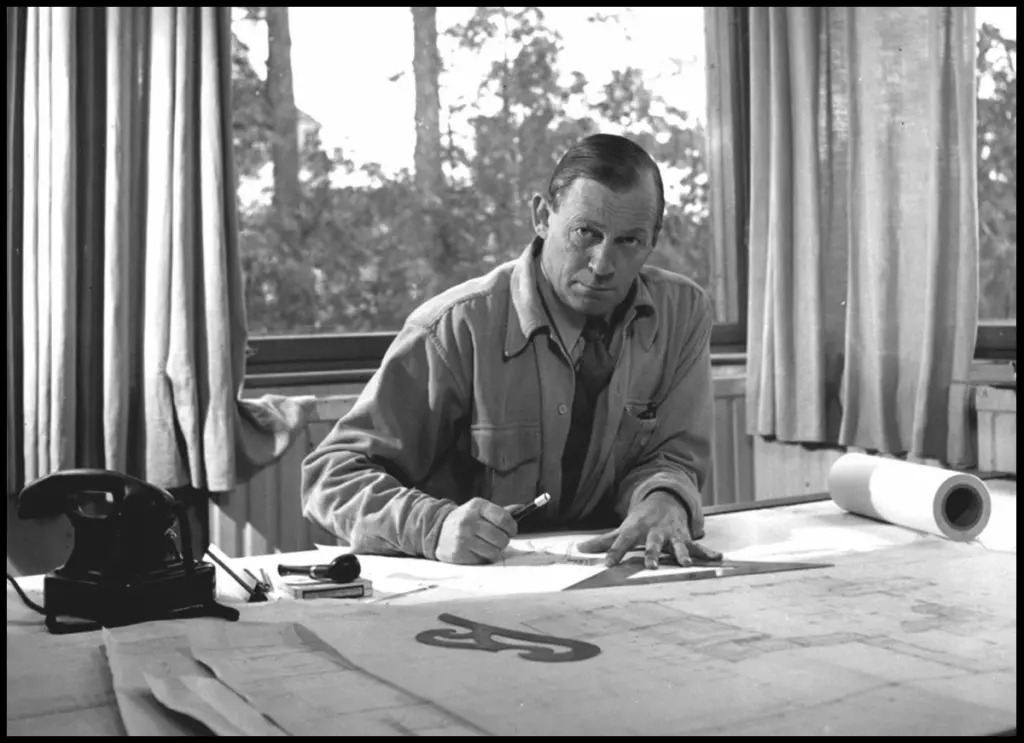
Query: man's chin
x,y
589,302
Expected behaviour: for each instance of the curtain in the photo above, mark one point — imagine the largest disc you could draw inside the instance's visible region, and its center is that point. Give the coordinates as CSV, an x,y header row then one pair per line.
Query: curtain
x,y
863,283
728,154
15,56
127,288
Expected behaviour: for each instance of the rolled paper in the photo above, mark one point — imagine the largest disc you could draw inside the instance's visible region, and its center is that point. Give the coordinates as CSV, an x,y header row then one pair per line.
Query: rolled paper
x,y
949,504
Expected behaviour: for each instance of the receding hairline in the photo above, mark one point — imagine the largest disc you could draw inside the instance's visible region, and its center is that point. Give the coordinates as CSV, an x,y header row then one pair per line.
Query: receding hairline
x,y
616,162
640,181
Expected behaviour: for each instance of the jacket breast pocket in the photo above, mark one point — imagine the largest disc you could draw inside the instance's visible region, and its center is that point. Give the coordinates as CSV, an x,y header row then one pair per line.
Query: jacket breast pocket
x,y
635,431
511,460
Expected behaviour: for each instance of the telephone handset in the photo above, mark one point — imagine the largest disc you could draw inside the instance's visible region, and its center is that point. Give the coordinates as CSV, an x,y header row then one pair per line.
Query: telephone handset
x,y
124,566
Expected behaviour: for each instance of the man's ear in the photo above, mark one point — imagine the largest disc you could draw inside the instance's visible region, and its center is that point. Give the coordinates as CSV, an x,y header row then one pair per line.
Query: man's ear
x,y
540,210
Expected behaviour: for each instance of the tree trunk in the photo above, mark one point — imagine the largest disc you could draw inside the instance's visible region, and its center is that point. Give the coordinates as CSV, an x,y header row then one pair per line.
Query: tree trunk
x,y
285,117
426,63
429,178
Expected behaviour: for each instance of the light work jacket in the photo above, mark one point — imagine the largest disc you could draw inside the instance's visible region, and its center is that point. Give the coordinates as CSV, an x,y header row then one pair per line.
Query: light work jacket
x,y
474,399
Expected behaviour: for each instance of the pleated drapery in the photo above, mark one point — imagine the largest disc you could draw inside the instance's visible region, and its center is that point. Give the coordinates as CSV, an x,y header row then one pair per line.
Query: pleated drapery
x,y
863,245
125,299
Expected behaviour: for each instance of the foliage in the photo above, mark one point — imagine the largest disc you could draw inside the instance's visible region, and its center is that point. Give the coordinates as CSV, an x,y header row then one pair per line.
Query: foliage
x,y
997,173
361,262
354,258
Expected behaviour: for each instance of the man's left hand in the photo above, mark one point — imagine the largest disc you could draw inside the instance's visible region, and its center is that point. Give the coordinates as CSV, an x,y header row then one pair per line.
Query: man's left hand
x,y
660,523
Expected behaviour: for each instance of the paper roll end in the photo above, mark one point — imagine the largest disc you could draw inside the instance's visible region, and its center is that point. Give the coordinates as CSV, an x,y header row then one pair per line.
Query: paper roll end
x,y
963,509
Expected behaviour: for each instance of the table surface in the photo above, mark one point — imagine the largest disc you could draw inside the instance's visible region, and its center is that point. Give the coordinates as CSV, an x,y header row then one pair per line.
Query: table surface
x,y
904,633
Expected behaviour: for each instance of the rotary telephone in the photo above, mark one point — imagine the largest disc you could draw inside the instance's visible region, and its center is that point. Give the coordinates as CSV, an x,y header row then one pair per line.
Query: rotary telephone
x,y
124,566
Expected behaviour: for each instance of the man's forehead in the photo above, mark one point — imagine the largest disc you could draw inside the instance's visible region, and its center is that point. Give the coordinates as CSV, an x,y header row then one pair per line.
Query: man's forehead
x,y
588,198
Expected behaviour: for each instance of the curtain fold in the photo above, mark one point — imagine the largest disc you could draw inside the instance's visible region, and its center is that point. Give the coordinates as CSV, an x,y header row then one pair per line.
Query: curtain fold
x,y
132,356
863,228
728,152
16,18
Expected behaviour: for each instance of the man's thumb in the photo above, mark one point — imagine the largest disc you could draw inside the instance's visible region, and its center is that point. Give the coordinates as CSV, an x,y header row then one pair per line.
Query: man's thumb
x,y
600,543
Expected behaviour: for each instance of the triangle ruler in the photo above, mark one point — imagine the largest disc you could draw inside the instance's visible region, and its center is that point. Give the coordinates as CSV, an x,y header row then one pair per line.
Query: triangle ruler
x,y
621,574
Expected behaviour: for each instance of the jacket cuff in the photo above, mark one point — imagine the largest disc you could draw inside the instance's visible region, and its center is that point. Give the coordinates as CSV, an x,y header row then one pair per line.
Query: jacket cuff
x,y
432,530
684,491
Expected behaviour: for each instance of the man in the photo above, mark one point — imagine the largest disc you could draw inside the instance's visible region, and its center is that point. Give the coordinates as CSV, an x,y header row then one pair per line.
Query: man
x,y
574,370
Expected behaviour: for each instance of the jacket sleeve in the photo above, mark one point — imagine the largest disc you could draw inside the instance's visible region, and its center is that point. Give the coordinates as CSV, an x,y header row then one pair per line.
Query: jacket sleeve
x,y
678,456
352,483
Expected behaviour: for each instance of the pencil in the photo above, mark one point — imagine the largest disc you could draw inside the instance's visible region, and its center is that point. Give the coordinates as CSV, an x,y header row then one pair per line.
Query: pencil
x,y
539,502
212,551
405,593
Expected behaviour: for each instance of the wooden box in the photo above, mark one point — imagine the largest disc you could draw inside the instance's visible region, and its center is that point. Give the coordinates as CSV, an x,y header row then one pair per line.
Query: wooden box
x,y
997,428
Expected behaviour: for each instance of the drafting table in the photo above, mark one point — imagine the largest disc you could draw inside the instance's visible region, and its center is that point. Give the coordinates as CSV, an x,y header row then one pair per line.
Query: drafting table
x,y
904,634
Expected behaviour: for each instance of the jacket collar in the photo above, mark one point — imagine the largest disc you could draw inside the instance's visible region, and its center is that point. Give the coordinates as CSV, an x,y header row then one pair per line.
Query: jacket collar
x,y
527,316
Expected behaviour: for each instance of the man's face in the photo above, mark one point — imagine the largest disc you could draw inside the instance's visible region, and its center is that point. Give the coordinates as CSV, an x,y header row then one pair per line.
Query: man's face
x,y
596,242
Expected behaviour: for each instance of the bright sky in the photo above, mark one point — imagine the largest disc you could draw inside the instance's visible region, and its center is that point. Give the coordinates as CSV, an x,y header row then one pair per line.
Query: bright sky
x,y
342,59
1005,19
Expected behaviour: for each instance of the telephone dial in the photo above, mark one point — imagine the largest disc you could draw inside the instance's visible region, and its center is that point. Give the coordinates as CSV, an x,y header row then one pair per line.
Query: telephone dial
x,y
125,566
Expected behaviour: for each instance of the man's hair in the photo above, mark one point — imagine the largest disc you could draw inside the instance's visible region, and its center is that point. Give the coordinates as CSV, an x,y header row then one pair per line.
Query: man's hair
x,y
613,161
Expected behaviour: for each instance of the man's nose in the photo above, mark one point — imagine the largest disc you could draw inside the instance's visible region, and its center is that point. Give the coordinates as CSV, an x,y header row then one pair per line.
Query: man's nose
x,y
602,260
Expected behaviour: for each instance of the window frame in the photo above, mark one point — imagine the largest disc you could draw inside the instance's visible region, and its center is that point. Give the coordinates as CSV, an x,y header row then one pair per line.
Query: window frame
x,y
996,341
352,358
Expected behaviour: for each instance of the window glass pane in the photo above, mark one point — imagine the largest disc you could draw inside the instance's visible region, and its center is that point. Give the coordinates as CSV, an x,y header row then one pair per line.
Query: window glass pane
x,y
371,178
997,162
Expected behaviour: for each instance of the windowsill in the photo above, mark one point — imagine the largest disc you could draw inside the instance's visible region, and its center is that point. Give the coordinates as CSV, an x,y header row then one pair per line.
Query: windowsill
x,y
993,373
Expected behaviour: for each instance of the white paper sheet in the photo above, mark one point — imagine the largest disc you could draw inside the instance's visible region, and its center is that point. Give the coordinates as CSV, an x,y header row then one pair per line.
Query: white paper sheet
x,y
807,532
811,532
212,703
159,650
801,532
741,658
1001,533
58,686
308,687
553,562
912,643
536,565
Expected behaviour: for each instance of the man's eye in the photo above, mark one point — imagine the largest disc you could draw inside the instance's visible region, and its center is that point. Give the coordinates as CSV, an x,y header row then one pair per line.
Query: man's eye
x,y
585,232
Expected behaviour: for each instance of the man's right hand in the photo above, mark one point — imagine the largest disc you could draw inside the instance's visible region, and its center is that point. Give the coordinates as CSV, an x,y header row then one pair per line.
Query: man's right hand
x,y
475,533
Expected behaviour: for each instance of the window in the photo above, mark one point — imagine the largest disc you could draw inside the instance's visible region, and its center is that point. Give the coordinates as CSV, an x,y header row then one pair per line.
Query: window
x,y
997,180
377,172
374,175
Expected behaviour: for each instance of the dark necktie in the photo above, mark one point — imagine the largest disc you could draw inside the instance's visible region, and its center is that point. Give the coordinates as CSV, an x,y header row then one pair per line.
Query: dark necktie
x,y
593,373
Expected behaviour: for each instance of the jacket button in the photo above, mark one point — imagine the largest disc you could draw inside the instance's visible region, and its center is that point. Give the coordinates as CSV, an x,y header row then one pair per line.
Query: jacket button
x,y
562,410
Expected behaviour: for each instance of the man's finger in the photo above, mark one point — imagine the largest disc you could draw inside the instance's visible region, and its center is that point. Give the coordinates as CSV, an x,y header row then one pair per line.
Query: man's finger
x,y
466,555
681,551
599,543
500,518
703,552
626,539
652,548
483,552
490,534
